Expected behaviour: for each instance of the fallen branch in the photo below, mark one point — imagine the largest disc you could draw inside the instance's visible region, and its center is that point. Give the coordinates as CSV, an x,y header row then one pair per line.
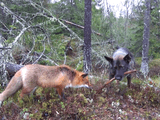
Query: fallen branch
x,y
109,81
79,26
5,48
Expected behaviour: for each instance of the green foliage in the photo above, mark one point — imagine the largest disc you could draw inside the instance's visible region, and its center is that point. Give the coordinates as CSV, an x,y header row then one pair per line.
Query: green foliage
x,y
25,110
137,28
138,60
45,62
63,10
137,81
39,90
62,105
80,66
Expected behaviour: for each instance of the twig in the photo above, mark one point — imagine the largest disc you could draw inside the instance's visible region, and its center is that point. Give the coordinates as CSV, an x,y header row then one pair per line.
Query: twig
x,y
20,34
129,72
109,81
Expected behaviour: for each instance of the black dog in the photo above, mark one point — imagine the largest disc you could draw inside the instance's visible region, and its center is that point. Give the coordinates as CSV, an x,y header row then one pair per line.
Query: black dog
x,y
121,61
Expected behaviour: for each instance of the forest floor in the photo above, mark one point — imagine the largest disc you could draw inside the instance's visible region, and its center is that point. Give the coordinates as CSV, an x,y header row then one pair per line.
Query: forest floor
x,y
115,102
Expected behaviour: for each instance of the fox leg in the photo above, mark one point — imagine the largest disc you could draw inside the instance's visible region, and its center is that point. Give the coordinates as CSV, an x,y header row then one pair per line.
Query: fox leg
x,y
33,91
60,92
27,91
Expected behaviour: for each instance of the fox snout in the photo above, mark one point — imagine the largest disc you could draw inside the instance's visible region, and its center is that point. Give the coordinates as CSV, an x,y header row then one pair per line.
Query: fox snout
x,y
86,86
90,86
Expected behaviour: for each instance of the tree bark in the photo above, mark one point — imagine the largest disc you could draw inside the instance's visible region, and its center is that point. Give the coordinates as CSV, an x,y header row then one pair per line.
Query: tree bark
x,y
145,45
87,37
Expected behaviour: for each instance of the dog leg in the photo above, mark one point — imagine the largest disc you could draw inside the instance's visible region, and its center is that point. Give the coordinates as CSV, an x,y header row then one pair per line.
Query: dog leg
x,y
129,81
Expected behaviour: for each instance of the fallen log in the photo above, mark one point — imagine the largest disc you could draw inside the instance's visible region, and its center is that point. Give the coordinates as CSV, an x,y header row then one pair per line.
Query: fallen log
x,y
111,80
12,68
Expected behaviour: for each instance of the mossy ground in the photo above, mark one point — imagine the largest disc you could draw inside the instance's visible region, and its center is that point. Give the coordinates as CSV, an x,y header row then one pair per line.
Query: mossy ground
x,y
116,101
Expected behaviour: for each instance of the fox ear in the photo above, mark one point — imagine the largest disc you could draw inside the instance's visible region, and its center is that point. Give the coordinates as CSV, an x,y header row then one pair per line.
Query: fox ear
x,y
109,59
84,75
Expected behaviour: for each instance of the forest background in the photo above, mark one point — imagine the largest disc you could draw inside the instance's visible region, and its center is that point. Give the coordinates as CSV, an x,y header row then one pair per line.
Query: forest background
x,y
52,34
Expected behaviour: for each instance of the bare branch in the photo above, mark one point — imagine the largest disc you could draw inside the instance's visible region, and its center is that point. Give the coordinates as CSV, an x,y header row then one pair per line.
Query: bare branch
x,y
5,48
20,34
79,26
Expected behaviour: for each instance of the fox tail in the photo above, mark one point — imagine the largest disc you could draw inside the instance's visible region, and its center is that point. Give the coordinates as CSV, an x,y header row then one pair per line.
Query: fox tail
x,y
14,85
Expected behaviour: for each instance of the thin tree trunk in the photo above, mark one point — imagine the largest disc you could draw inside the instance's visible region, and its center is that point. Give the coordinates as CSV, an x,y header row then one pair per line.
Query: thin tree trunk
x,y
87,37
145,45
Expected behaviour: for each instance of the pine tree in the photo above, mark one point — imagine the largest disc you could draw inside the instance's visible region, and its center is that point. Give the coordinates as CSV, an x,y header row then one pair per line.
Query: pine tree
x,y
87,37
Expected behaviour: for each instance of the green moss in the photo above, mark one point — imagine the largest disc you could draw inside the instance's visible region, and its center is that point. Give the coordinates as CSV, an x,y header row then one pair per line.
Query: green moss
x,y
31,115
152,63
84,98
101,99
44,105
39,90
38,116
62,105
25,110
136,81
155,62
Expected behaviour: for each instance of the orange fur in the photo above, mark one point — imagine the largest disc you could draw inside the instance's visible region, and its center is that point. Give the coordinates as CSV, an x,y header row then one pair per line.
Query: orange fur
x,y
31,76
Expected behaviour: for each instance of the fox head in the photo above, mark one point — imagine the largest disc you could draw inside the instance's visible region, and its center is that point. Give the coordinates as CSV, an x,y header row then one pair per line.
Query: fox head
x,y
80,80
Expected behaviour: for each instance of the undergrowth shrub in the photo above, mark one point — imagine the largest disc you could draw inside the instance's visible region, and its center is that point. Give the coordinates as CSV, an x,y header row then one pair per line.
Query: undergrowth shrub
x,y
114,100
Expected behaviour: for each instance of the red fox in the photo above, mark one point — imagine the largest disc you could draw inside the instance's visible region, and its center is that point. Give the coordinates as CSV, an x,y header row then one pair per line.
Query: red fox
x,y
31,76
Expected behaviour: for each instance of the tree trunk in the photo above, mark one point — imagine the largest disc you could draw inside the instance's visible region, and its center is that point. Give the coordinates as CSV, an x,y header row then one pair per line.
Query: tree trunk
x,y
145,45
87,37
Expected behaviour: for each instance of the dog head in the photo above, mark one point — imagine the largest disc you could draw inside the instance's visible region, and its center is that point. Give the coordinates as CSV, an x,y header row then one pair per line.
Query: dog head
x,y
119,65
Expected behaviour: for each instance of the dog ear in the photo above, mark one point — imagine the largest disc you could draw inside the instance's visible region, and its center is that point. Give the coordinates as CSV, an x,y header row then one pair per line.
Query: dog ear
x,y
109,59
84,75
127,58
